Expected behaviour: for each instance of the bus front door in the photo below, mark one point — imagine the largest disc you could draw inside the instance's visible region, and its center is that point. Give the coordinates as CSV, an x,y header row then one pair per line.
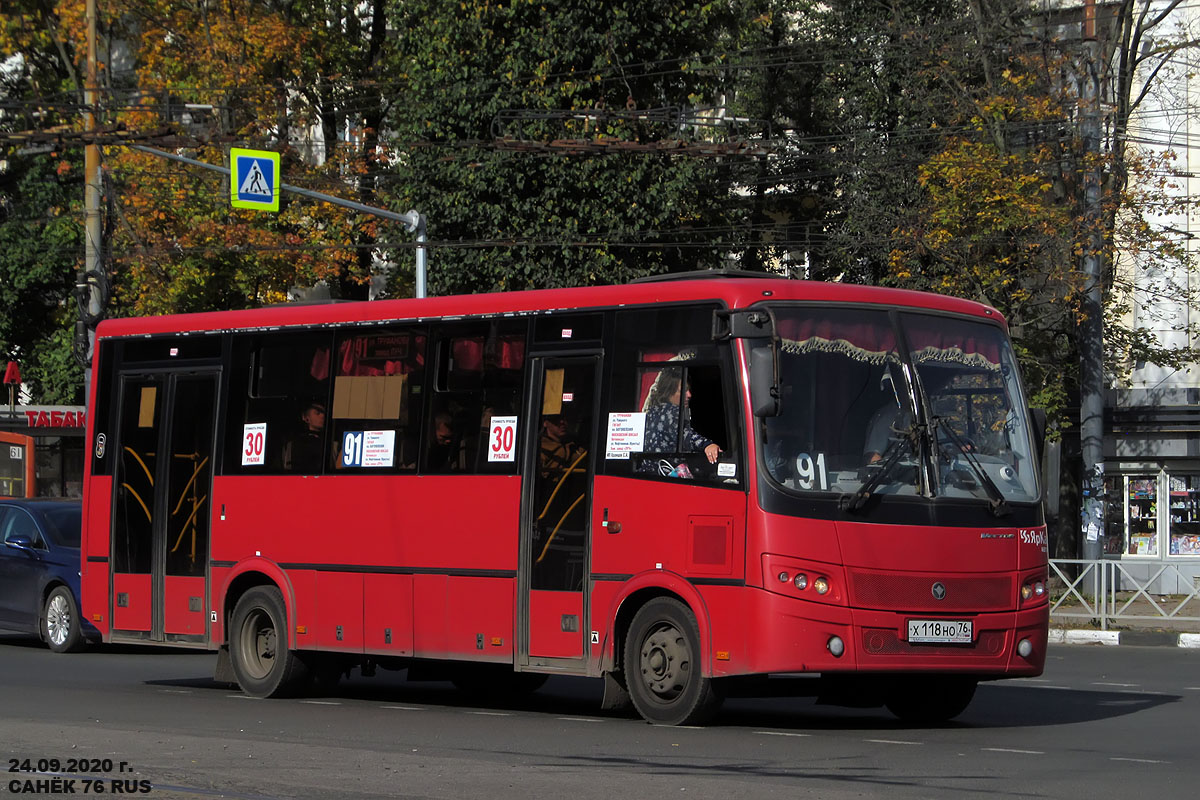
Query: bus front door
x,y
162,513
557,508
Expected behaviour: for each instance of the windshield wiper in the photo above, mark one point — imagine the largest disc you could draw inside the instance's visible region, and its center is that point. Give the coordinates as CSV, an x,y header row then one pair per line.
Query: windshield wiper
x,y
996,503
891,455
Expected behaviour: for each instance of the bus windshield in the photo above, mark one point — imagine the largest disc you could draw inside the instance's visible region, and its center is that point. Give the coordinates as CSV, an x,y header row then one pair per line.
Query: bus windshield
x,y
898,404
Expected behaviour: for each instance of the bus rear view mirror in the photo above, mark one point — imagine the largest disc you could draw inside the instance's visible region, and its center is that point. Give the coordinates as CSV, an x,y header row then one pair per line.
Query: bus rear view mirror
x,y
764,391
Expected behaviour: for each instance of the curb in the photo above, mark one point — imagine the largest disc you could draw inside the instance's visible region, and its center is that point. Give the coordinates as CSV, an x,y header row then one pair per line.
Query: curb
x,y
1134,638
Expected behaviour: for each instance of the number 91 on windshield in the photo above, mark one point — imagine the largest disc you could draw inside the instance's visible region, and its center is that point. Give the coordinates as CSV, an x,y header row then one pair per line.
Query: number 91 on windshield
x,y
942,631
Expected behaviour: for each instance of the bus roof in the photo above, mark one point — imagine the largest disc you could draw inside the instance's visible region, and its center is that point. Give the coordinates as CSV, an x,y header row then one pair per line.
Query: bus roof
x,y
736,291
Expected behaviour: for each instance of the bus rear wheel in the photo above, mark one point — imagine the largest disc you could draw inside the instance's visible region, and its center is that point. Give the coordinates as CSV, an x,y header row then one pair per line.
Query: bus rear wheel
x,y
258,651
928,699
662,666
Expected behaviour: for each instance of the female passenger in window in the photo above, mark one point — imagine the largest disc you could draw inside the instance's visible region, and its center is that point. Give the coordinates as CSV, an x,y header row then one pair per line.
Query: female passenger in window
x,y
664,415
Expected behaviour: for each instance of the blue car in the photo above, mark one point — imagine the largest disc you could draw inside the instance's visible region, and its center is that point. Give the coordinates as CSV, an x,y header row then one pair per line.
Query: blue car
x,y
39,571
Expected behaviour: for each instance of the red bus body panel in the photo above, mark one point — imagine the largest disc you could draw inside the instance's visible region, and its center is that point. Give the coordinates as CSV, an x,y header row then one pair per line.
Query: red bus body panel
x,y
398,545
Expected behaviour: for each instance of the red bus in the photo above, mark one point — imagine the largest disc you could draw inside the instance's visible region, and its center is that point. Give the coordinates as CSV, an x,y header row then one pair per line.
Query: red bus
x,y
679,486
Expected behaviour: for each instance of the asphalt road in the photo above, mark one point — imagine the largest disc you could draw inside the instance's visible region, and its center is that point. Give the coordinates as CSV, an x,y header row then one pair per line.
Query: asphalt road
x,y
1102,722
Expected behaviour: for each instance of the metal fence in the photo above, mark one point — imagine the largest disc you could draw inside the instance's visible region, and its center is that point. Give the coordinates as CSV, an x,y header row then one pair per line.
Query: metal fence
x,y
1108,593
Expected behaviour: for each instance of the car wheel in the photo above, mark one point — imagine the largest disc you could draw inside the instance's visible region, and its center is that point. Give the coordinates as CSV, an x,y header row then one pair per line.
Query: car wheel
x,y
662,666
258,646
60,621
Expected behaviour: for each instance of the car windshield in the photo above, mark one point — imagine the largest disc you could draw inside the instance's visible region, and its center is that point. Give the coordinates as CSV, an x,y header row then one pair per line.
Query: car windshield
x,y
63,524
906,404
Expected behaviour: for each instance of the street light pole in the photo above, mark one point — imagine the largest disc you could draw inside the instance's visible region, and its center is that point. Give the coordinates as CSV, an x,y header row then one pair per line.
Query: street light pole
x,y
1091,340
86,285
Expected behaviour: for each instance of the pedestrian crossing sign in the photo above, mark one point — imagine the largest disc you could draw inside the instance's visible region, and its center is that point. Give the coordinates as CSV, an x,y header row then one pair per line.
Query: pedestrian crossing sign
x,y
254,179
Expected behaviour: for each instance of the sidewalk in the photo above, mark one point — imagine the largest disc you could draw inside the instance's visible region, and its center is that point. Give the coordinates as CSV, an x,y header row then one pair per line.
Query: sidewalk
x,y
1175,622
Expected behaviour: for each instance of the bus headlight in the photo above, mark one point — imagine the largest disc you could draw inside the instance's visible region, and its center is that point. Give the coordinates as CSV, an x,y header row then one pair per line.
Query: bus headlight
x,y
821,585
801,581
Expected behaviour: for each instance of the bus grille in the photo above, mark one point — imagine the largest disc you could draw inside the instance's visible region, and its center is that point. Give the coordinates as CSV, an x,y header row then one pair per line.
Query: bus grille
x,y
915,593
886,642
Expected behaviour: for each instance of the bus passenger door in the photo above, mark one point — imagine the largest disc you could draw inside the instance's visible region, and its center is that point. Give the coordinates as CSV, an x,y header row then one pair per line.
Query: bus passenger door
x,y
162,514
555,537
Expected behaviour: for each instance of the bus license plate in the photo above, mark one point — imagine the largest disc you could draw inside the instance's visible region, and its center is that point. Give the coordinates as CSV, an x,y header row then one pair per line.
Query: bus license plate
x,y
953,631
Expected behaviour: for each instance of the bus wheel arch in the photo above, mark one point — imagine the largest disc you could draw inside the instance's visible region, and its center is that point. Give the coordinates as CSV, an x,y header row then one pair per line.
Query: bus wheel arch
x,y
252,575
635,597
262,661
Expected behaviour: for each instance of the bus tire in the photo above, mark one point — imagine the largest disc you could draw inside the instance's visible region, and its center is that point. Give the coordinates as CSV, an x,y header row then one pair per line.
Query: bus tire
x,y
258,651
663,668
60,622
929,700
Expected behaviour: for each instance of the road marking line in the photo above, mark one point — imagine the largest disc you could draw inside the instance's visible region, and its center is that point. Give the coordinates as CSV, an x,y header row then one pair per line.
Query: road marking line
x,y
1139,760
404,708
889,741
781,733
579,719
176,691
1010,750
1123,685
243,697
320,702
490,713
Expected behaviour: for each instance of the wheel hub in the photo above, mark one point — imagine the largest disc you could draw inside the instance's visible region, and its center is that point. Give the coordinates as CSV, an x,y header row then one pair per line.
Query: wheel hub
x,y
665,662
58,620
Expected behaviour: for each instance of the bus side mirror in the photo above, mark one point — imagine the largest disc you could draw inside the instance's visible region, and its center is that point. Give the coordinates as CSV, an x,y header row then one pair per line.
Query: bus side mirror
x,y
764,392
1049,455
1037,426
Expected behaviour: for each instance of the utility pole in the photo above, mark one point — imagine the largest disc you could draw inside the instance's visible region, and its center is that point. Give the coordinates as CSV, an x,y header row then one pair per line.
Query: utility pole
x,y
86,280
1091,344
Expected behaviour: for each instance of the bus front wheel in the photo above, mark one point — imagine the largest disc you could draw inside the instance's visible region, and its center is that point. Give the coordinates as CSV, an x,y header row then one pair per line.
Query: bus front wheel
x,y
258,651
662,666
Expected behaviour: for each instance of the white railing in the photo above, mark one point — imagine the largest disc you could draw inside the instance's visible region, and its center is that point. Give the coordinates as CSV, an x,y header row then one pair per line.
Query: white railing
x,y
1106,592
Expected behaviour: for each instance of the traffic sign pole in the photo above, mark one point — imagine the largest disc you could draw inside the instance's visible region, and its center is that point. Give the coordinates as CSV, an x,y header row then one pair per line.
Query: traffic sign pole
x,y
413,221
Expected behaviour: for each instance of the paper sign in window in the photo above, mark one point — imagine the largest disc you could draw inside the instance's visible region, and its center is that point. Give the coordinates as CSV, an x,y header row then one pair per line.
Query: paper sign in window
x,y
626,434
146,406
368,448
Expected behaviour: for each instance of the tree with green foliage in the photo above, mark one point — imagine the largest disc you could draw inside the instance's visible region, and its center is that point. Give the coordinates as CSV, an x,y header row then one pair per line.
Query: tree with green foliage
x,y
546,149
41,199
41,236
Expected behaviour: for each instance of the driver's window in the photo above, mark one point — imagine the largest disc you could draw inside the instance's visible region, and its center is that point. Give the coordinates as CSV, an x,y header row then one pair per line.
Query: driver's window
x,y
669,411
686,431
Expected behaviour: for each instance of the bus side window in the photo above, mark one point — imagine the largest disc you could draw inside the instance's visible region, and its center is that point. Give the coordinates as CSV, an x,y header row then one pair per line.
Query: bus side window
x,y
377,396
278,383
478,374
